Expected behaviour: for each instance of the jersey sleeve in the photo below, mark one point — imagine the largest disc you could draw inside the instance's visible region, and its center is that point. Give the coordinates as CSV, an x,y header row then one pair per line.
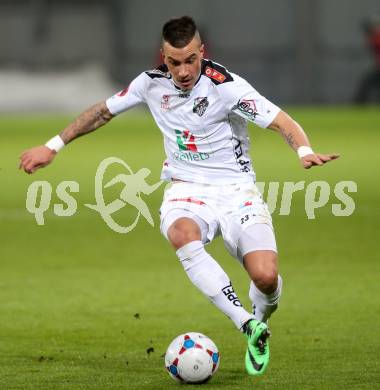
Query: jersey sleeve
x,y
129,97
242,99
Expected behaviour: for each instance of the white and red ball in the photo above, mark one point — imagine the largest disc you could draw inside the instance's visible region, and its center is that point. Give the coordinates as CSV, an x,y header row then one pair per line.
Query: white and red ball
x,y
192,358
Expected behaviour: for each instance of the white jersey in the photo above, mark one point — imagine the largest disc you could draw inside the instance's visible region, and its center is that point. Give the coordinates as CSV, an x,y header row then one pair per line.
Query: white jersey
x,y
205,129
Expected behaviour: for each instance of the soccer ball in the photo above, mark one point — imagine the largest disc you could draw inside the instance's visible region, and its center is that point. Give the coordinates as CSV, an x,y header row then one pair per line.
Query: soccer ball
x,y
192,358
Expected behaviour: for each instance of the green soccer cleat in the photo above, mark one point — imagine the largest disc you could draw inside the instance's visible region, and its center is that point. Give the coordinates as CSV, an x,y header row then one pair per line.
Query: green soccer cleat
x,y
257,355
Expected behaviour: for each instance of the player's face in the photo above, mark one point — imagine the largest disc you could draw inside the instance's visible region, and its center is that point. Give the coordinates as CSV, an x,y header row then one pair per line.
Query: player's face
x,y
184,64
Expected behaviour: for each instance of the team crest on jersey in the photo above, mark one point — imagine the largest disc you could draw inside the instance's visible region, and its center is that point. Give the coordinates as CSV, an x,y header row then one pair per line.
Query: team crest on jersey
x,y
200,105
214,74
248,108
165,102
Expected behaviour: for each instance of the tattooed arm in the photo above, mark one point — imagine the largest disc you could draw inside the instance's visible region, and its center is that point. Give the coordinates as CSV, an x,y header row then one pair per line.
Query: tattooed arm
x,y
91,119
295,137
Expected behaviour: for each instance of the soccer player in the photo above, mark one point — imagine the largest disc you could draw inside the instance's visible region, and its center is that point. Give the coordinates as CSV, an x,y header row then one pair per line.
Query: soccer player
x,y
202,110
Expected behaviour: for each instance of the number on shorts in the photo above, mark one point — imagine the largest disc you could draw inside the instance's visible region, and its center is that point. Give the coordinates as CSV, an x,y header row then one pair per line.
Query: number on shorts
x,y
244,219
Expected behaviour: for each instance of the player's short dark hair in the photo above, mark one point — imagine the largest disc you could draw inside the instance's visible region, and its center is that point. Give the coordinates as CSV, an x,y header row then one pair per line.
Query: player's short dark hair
x,y
179,32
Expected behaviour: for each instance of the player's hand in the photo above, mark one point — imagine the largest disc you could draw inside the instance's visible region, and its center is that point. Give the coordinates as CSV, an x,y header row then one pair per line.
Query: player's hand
x,y
317,159
35,158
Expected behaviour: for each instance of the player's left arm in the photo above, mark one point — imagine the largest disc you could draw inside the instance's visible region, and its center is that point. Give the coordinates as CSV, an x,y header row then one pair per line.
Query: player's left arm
x,y
296,138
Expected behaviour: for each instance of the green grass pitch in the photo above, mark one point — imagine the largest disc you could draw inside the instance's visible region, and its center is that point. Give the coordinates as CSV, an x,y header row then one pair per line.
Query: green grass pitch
x,y
80,305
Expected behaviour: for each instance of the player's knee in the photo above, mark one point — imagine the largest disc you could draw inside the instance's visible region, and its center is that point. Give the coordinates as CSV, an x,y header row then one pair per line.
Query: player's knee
x,y
183,231
266,280
262,268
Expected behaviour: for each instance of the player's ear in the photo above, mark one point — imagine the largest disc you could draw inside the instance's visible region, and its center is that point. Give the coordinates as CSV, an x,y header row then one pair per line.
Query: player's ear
x,y
162,54
202,50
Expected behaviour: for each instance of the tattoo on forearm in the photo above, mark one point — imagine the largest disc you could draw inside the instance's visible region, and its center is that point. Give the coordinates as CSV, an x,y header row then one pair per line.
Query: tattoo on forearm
x,y
289,138
88,121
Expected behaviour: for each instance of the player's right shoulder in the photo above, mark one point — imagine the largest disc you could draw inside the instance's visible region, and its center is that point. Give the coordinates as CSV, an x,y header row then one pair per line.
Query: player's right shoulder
x,y
161,71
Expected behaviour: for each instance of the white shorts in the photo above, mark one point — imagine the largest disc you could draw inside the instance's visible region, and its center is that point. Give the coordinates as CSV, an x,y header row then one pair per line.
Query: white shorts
x,y
224,209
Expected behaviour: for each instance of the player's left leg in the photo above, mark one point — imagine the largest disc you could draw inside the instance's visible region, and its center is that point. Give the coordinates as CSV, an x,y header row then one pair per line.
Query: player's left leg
x,y
257,247
246,226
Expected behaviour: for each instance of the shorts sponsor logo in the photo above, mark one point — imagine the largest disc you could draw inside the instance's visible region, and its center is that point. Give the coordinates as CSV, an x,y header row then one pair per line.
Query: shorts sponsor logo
x,y
188,200
214,74
248,108
200,105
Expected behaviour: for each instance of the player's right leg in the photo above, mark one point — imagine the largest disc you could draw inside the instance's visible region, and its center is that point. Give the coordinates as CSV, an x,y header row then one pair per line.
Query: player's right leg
x,y
248,235
187,233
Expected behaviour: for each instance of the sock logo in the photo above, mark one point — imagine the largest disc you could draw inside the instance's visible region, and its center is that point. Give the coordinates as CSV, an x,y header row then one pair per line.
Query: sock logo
x,y
186,140
229,292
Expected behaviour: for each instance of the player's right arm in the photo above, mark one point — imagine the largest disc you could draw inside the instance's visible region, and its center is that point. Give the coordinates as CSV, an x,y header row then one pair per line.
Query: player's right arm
x,y
90,120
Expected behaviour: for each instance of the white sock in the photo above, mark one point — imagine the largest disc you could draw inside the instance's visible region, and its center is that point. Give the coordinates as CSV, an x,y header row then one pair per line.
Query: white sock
x,y
264,305
206,274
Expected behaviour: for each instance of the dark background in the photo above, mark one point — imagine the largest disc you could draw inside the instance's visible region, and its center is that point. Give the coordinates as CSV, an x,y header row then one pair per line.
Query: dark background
x,y
293,51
